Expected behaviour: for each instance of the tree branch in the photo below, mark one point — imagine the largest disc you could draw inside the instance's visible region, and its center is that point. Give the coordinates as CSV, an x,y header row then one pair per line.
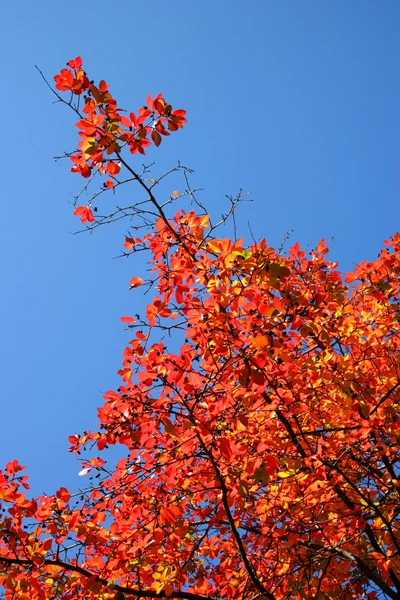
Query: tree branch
x,y
118,588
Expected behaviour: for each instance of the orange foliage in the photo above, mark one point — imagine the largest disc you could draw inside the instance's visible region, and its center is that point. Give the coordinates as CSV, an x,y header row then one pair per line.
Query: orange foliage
x,y
261,460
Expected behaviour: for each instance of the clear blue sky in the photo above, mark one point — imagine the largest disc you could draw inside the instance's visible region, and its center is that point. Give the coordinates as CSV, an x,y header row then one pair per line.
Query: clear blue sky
x,y
296,102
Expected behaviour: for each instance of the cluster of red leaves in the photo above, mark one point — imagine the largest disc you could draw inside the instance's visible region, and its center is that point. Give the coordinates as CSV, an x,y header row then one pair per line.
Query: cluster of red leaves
x,y
260,460
104,129
261,456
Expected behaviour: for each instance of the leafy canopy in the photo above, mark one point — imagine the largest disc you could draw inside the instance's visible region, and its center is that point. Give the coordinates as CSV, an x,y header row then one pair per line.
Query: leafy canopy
x,y
260,460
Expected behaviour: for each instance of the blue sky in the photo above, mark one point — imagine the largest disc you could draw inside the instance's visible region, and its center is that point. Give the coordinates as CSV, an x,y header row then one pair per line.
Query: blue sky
x,y
295,102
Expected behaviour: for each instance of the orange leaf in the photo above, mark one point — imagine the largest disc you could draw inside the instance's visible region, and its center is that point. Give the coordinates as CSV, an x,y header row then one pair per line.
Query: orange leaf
x,y
76,63
113,167
135,282
129,243
84,213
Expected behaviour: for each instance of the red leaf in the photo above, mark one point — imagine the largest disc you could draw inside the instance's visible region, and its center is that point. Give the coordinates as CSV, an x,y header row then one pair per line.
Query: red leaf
x,y
225,448
64,80
103,87
170,514
63,494
76,63
14,467
135,282
125,121
149,101
270,464
84,213
156,137
113,167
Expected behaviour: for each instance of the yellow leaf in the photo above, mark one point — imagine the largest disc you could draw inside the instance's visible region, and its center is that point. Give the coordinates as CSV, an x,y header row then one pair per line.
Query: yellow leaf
x,y
218,246
89,146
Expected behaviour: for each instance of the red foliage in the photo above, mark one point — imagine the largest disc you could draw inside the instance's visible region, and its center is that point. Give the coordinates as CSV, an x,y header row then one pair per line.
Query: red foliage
x,y
84,213
261,459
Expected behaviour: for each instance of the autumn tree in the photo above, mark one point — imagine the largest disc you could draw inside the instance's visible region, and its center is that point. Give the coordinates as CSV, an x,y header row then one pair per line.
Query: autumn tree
x,y
260,460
